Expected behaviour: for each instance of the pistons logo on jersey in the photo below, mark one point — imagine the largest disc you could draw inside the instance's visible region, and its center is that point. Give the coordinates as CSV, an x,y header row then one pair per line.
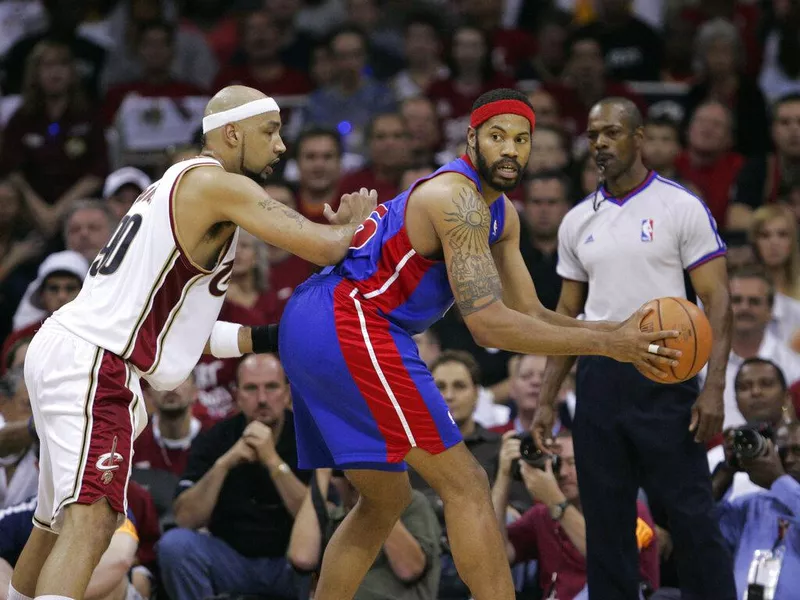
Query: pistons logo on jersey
x,y
647,230
368,228
219,284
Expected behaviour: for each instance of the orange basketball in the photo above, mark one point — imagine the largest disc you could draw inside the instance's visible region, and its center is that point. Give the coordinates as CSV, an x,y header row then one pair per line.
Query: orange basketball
x,y
694,340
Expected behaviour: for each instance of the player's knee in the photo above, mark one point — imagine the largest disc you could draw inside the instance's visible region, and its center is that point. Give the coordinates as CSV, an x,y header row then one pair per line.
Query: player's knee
x,y
469,484
391,502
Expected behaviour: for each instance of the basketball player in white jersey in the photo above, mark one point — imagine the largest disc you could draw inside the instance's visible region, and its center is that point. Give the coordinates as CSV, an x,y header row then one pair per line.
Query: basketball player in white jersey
x,y
148,310
624,245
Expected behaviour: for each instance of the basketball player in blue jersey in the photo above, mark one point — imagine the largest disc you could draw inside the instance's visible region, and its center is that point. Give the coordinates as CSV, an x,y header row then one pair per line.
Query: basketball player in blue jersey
x,y
366,403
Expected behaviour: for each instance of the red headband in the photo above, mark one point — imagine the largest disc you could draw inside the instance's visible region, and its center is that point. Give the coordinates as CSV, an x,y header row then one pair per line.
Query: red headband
x,y
502,107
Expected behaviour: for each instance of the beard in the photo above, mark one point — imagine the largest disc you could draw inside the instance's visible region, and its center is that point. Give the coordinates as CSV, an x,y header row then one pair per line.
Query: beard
x,y
489,172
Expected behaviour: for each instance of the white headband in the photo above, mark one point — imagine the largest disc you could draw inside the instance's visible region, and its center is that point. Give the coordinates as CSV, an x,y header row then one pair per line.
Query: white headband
x,y
239,113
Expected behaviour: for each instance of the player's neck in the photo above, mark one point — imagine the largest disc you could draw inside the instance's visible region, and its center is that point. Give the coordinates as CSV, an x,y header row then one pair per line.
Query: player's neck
x,y
227,165
627,181
175,426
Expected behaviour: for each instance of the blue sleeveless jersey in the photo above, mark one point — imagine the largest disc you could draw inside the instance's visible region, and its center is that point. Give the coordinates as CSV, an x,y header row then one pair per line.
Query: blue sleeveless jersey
x,y
408,289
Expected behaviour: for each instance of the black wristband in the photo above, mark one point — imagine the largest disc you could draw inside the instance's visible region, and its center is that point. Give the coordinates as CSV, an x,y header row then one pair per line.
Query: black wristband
x,y
265,339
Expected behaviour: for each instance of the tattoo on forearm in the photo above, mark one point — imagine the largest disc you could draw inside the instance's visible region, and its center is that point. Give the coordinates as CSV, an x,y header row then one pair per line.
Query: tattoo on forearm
x,y
269,205
476,283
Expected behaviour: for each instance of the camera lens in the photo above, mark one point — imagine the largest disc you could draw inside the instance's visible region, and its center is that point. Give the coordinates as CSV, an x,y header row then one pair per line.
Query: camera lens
x,y
748,443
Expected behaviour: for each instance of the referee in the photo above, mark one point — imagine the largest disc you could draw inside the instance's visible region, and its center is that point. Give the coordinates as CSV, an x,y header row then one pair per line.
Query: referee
x,y
622,246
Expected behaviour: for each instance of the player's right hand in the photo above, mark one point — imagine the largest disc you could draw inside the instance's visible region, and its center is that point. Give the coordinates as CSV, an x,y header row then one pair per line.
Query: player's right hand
x,y
241,452
630,344
353,208
542,426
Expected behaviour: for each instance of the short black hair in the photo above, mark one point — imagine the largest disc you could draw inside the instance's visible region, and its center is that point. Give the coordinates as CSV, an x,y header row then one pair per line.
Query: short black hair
x,y
755,360
315,132
785,99
664,121
583,35
349,29
370,126
630,112
463,358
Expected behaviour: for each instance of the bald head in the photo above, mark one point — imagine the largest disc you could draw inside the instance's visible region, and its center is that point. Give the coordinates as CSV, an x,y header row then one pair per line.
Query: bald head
x,y
627,111
231,97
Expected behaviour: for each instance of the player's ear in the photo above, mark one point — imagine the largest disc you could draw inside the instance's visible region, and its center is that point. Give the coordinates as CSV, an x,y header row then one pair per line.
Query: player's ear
x,y
472,134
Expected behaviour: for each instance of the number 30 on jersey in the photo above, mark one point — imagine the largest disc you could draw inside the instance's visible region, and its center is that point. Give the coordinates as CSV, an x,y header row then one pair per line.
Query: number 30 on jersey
x,y
368,228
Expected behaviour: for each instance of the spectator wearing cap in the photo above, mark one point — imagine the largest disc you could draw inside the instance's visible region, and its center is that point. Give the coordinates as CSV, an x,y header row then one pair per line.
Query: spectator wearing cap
x,y
122,188
88,227
60,279
155,50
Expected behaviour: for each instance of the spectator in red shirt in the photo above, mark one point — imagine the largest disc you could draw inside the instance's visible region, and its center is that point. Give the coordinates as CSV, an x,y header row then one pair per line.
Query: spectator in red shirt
x,y
54,144
708,161
585,83
155,47
389,153
165,442
318,154
472,74
553,531
262,67
286,271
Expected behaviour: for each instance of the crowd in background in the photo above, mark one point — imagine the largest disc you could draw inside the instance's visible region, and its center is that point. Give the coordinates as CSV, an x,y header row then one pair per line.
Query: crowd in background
x,y
99,97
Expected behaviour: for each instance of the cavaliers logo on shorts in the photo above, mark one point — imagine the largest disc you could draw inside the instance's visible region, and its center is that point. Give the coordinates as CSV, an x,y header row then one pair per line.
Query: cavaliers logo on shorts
x,y
108,463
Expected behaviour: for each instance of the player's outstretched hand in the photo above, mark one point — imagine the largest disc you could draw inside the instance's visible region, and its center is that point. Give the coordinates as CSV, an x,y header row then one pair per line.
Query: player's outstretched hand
x,y
353,208
630,344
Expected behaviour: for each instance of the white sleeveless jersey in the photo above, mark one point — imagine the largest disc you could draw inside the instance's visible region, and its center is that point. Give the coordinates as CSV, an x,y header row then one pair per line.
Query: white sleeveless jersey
x,y
144,299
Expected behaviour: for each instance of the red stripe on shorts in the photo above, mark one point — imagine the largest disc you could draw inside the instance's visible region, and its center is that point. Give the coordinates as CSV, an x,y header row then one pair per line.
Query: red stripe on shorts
x,y
365,375
109,458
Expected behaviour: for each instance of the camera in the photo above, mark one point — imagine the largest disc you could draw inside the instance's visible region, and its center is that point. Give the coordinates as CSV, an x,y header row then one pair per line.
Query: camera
x,y
750,441
531,454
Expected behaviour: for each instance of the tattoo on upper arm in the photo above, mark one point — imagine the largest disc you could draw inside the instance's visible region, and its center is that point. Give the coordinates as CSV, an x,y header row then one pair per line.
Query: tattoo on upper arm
x,y
270,204
476,283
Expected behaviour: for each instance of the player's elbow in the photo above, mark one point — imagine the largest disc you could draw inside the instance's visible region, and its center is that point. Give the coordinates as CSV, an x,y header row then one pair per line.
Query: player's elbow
x,y
484,325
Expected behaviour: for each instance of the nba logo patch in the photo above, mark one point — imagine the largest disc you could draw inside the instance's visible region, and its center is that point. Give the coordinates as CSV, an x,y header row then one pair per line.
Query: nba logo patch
x,y
647,230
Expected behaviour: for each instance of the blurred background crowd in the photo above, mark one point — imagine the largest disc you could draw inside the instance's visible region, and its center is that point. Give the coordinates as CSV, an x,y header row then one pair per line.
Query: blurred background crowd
x,y
99,97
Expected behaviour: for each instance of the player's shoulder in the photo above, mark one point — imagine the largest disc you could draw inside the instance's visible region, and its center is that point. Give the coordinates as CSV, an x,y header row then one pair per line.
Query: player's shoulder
x,y
444,184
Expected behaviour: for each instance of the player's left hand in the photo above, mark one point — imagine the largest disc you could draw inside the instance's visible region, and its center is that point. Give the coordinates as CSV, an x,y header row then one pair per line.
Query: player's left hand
x,y
708,413
259,437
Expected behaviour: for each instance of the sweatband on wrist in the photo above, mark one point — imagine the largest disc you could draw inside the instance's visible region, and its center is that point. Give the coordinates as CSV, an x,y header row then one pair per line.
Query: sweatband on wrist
x,y
224,341
265,339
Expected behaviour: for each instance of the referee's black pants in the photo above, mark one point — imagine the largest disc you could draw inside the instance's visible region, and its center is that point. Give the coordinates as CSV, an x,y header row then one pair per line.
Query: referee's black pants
x,y
630,432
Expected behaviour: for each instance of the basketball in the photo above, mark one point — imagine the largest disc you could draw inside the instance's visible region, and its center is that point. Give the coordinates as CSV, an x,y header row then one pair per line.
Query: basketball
x,y
694,340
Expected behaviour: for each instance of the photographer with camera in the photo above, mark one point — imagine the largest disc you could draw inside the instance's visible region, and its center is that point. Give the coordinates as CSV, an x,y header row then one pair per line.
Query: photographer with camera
x,y
763,400
553,531
763,530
